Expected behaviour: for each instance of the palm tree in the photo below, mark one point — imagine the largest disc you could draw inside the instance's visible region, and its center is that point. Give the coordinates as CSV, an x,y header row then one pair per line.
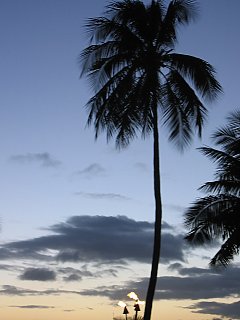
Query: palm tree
x,y
138,78
218,215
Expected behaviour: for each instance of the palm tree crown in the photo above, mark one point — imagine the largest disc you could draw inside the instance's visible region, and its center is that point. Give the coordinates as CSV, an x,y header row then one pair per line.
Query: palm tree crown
x,y
137,77
132,67
218,214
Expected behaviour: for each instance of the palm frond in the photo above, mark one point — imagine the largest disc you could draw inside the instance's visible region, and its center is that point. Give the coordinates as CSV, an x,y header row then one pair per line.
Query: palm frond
x,y
214,216
228,139
223,159
234,120
133,14
185,108
175,118
228,250
227,172
179,12
182,11
156,12
200,72
223,185
99,29
107,102
101,71
229,136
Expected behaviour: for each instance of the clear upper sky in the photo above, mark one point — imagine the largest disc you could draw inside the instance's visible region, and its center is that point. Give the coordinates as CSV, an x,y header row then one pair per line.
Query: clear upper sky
x,y
64,195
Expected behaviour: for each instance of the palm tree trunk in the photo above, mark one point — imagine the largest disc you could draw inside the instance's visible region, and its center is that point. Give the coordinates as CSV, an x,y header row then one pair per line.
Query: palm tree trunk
x,y
158,220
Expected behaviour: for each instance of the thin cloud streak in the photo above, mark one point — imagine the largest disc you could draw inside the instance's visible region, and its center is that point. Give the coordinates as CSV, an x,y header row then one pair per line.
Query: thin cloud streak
x,y
10,290
68,310
103,196
32,306
44,159
92,171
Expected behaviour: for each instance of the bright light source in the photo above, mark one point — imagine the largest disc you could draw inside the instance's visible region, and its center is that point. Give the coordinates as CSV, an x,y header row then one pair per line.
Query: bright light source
x,y
133,296
121,304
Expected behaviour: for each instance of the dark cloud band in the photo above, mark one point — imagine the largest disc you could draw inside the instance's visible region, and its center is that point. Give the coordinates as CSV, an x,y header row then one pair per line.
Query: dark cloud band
x,y
98,239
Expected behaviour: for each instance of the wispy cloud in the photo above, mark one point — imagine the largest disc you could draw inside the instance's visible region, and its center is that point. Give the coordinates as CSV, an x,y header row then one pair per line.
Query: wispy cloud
x,y
7,267
176,208
193,271
71,274
32,306
102,196
44,159
72,277
141,166
68,310
24,254
10,290
92,171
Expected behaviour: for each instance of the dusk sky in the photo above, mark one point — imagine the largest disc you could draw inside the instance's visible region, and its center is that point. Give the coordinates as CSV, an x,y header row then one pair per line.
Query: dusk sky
x,y
76,214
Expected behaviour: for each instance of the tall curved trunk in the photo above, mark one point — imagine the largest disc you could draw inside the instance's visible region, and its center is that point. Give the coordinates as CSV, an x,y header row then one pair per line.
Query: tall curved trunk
x,y
158,220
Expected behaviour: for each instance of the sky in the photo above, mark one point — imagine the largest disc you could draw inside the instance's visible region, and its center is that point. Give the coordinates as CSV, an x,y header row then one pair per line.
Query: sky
x,y
76,214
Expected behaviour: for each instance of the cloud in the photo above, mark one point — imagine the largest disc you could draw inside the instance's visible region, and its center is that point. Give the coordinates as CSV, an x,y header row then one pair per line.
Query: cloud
x,y
99,239
38,274
193,271
231,310
141,166
10,290
199,283
72,274
166,226
7,253
102,196
68,310
72,277
32,306
44,159
204,286
6,267
91,171
175,208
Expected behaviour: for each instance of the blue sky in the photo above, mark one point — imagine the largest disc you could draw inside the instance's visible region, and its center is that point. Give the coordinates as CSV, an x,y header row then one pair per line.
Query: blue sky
x,y
54,175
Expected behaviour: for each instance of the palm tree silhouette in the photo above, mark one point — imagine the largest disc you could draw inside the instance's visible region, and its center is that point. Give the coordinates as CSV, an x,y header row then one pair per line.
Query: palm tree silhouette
x,y
138,78
217,215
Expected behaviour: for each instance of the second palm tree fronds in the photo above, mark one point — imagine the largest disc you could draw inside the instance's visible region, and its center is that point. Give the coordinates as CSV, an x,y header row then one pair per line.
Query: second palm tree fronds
x,y
217,216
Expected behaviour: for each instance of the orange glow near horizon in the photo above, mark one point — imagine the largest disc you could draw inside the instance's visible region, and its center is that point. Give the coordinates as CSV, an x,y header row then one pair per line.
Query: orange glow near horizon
x,y
74,307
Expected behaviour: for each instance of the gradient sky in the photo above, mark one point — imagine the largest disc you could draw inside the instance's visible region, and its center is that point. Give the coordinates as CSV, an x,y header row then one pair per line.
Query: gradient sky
x,y
76,215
